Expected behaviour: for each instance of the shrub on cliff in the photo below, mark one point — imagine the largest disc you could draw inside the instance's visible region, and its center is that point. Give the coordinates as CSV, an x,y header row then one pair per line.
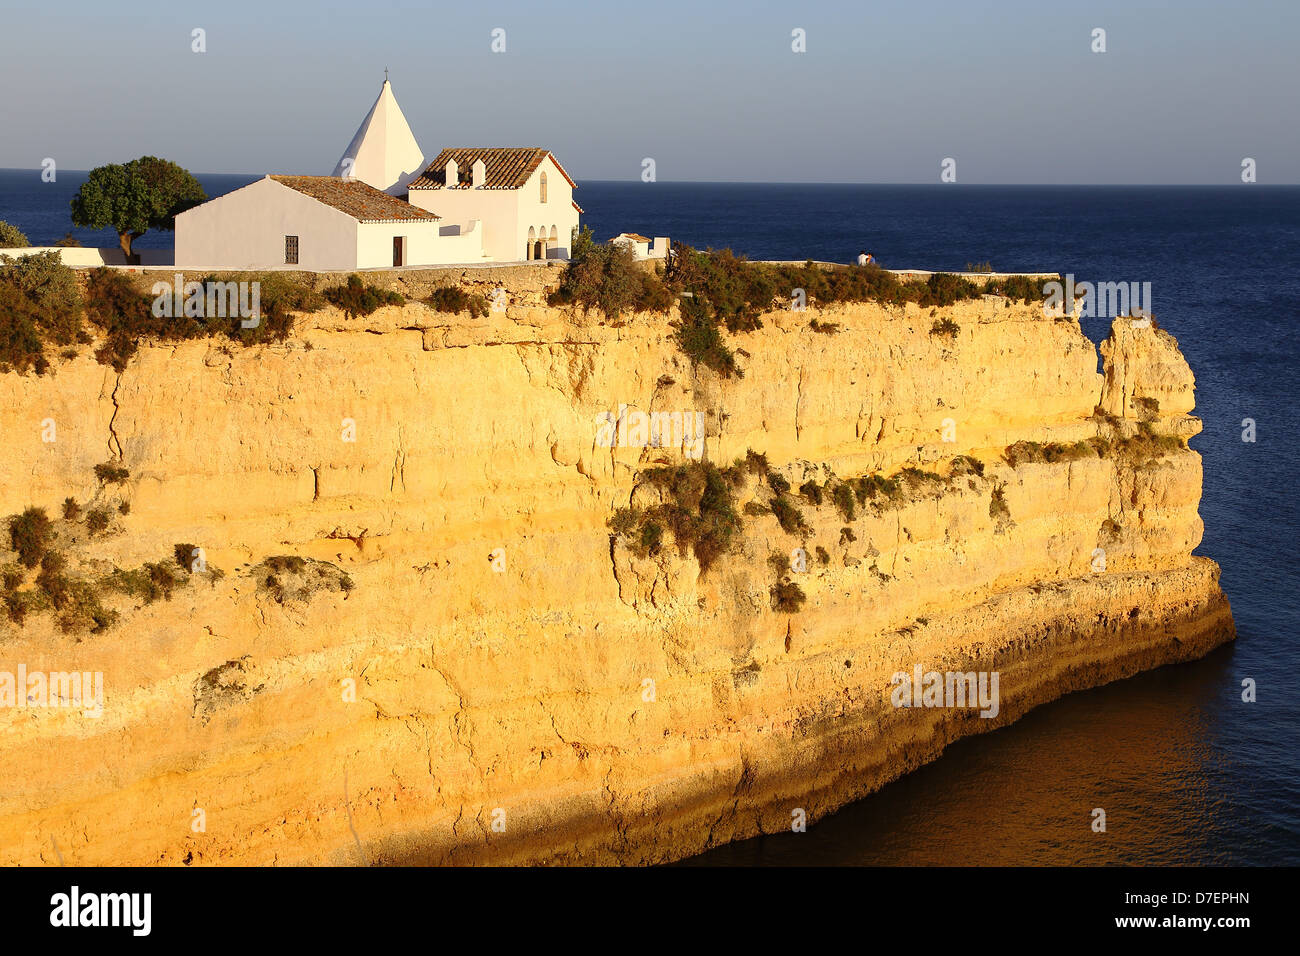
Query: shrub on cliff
x,y
944,288
111,473
1023,452
700,339
11,237
699,508
608,278
787,597
184,555
97,520
845,500
52,580
455,300
30,534
701,512
279,295
754,462
292,579
733,291
124,315
967,465
40,304
149,582
945,326
1147,445
1018,288
83,610
356,298
1000,511
18,604
871,487
812,492
11,577
788,516
21,347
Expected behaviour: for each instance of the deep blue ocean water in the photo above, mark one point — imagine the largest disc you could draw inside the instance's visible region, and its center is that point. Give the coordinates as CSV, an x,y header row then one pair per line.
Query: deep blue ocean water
x,y
1187,772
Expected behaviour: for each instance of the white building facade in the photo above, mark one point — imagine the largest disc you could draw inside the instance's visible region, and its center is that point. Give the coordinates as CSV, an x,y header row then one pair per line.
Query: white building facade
x,y
384,207
522,196
315,223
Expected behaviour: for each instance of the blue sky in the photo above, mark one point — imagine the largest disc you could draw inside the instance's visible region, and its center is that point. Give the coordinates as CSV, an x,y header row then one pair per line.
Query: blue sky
x,y
710,90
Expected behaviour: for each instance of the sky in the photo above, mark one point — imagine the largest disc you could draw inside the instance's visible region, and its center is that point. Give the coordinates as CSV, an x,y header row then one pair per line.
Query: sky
x,y
711,91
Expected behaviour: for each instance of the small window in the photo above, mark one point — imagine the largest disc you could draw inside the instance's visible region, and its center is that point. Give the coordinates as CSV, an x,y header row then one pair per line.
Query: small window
x,y
543,186
291,250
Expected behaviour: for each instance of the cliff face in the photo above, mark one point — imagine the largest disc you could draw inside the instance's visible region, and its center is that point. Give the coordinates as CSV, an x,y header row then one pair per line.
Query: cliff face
x,y
528,687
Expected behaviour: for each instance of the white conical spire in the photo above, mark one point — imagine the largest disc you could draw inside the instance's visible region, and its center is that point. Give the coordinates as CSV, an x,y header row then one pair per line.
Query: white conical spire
x,y
384,152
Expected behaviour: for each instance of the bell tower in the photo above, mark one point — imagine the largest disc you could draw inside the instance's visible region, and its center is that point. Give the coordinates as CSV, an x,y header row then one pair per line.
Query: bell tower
x,y
383,152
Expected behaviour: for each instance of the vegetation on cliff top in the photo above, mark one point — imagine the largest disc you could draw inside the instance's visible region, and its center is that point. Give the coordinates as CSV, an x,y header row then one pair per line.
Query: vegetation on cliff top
x,y
40,307
356,298
454,299
11,237
717,290
607,277
43,309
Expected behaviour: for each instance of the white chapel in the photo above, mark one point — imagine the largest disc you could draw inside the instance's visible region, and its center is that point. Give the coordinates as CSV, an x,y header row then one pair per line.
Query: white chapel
x,y
383,207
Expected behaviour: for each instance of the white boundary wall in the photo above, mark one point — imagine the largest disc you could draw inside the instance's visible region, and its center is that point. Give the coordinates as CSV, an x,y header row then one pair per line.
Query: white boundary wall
x,y
81,257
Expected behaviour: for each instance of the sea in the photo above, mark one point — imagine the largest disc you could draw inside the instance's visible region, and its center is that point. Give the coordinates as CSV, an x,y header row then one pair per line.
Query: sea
x,y
1188,773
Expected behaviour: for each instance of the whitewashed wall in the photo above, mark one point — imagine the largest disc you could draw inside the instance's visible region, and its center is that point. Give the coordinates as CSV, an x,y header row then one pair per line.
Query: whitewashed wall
x,y
245,229
494,208
424,245
557,211
83,257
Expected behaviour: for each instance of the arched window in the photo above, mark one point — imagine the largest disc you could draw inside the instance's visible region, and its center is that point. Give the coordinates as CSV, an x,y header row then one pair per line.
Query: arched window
x,y
543,185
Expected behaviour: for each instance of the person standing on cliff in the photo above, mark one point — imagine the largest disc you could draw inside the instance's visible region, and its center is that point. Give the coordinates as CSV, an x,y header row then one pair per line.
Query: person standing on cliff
x,y
866,259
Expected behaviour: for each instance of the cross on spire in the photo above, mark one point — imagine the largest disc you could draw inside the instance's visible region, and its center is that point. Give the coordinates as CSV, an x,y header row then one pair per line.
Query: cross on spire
x,y
385,74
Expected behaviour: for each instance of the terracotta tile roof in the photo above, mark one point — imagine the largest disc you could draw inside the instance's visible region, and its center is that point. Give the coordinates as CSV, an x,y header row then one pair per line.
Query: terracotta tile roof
x,y
577,207
508,167
630,235
359,200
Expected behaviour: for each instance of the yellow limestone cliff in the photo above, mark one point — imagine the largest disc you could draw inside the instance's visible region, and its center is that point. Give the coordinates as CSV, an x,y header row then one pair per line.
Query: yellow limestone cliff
x,y
506,681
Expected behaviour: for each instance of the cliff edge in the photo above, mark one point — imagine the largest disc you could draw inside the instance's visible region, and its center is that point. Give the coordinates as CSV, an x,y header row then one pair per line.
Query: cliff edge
x,y
448,605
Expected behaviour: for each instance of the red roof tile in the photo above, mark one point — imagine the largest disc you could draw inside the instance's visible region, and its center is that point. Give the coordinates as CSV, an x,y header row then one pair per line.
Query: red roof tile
x,y
508,167
359,200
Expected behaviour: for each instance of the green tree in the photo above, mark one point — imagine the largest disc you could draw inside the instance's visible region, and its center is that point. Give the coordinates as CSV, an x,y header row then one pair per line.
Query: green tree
x,y
11,237
146,193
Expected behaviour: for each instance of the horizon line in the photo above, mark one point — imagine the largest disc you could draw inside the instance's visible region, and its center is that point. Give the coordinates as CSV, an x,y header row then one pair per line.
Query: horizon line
x,y
782,182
